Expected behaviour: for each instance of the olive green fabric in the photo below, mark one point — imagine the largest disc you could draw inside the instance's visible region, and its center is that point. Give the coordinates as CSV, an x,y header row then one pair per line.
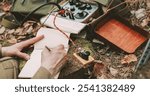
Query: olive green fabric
x,y
8,68
9,21
27,6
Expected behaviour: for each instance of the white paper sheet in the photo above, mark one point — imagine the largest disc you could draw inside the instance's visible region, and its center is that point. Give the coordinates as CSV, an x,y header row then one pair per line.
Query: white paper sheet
x,y
65,25
52,38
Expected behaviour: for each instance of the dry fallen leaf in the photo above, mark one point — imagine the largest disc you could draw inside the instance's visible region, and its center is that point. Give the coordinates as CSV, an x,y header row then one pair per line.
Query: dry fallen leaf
x,y
11,31
27,28
1,14
129,59
1,37
12,41
113,71
148,3
2,30
140,13
18,30
98,67
144,22
102,77
27,24
29,31
5,6
21,37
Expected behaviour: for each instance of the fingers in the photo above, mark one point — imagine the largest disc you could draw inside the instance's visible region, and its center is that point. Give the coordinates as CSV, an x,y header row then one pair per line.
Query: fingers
x,y
23,55
31,41
60,47
45,52
51,59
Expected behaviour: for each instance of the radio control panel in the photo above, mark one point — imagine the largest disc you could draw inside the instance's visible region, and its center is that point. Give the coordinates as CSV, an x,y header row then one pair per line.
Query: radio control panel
x,y
79,11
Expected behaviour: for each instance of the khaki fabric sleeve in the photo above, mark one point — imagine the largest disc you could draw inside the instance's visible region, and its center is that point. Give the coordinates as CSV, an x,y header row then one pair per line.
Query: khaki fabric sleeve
x,y
0,51
8,68
42,73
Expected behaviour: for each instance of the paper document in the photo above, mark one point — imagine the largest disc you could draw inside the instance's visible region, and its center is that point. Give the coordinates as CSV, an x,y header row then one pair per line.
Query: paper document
x,y
65,25
52,38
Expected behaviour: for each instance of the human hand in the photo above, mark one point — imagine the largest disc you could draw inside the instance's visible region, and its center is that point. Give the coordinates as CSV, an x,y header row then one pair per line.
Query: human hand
x,y
54,60
15,50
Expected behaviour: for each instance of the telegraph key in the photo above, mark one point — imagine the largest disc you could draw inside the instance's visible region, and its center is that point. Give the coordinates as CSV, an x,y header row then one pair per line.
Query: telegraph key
x,y
84,57
79,11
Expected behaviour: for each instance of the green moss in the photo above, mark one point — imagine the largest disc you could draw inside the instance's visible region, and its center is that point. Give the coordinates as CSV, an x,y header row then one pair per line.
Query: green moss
x,y
84,44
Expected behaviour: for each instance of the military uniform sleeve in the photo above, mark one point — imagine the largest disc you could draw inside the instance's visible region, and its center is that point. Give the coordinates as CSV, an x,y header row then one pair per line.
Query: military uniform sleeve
x,y
0,51
42,73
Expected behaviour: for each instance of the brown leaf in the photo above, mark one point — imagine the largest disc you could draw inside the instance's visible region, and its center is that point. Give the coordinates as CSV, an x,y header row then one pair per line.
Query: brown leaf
x,y
27,28
21,37
18,31
129,59
1,14
29,31
102,77
98,67
113,71
6,6
1,37
26,24
11,31
36,27
2,30
144,22
12,41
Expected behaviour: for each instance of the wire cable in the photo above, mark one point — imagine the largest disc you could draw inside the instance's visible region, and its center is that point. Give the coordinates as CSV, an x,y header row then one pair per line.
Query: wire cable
x,y
54,22
59,7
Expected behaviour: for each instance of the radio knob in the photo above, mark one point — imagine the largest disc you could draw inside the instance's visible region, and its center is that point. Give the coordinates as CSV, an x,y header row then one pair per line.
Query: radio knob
x,y
72,9
89,7
84,55
71,2
82,7
81,14
78,4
